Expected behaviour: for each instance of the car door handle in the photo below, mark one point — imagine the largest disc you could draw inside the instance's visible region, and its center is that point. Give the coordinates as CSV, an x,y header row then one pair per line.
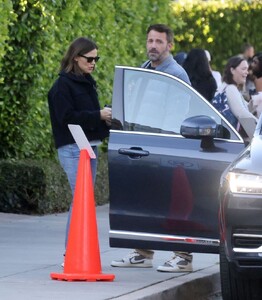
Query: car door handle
x,y
133,152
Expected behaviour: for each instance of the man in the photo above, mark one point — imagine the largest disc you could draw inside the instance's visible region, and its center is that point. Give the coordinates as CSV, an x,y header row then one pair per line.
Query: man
x,y
248,52
159,44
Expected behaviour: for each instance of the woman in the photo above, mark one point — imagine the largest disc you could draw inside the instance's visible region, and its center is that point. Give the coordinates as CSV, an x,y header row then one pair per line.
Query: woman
x,y
73,99
234,78
198,69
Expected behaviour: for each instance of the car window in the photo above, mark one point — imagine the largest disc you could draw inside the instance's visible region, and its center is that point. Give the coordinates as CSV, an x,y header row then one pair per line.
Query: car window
x,y
155,102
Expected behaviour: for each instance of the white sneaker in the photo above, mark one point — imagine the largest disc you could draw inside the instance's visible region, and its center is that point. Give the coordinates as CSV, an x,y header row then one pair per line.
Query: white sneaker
x,y
133,260
177,264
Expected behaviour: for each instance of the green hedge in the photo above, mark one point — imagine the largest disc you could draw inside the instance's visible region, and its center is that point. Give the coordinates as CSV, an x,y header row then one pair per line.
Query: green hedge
x,y
33,187
41,187
221,27
7,17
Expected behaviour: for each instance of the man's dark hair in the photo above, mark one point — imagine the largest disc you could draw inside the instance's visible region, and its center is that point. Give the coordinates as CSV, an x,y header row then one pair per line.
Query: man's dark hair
x,y
162,28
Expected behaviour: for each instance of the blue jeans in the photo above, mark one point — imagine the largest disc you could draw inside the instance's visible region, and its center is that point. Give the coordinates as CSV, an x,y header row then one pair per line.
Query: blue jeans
x,y
68,156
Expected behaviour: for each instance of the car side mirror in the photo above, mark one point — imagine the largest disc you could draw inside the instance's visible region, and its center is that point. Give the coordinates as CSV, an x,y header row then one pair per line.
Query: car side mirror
x,y
201,127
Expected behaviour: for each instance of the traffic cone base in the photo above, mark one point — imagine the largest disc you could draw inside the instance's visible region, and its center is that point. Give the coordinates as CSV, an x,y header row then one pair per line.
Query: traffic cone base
x,y
82,277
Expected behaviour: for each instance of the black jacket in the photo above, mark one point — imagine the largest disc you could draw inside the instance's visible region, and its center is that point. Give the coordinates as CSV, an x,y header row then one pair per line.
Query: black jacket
x,y
73,100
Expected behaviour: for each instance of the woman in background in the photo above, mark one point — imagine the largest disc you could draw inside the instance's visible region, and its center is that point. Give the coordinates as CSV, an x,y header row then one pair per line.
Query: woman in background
x,y
198,69
234,78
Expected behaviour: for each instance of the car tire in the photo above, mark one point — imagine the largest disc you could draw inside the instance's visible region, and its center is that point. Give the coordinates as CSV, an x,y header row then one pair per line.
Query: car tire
x,y
234,287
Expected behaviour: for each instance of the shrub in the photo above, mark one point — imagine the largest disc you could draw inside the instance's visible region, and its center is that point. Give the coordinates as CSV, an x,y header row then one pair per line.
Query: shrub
x,y
41,186
33,187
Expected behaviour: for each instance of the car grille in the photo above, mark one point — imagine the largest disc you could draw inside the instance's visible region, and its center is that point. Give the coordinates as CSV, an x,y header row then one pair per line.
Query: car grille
x,y
250,238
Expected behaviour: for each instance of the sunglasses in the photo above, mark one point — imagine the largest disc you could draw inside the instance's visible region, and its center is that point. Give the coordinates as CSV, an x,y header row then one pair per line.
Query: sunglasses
x,y
90,59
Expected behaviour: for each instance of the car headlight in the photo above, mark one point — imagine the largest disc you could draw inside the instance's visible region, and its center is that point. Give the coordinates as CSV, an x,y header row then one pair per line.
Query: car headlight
x,y
245,183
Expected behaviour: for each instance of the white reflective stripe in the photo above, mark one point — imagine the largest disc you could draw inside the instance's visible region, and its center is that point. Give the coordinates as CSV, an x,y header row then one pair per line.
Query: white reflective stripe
x,y
162,237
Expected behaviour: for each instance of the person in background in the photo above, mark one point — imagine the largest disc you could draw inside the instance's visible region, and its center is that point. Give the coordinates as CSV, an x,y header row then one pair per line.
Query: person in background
x,y
180,57
234,77
216,74
256,98
198,70
247,52
73,99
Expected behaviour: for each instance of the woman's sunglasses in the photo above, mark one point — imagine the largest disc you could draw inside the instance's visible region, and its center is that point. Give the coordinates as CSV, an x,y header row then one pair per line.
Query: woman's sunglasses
x,y
90,59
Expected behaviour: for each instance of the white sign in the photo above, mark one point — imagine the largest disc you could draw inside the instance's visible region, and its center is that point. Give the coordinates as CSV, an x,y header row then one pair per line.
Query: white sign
x,y
81,139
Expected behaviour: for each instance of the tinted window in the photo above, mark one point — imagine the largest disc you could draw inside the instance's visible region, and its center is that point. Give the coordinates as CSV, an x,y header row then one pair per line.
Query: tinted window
x,y
158,103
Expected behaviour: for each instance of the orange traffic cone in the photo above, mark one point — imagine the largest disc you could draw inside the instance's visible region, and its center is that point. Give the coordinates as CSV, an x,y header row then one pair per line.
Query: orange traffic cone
x,y
82,260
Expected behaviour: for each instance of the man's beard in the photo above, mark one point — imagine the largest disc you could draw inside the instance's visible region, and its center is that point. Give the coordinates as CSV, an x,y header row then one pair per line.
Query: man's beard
x,y
153,56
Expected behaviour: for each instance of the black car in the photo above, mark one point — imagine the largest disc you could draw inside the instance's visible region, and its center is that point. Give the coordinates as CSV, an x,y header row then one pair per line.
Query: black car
x,y
240,196
167,149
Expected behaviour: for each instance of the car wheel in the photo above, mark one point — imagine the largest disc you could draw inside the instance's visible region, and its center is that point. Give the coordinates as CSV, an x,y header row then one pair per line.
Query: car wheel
x,y
234,287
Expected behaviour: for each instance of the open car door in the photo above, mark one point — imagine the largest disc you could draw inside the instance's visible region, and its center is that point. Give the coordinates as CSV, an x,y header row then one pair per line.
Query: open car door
x,y
163,185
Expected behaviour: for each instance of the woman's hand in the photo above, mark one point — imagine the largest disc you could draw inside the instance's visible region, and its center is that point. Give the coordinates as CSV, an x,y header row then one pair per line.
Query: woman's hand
x,y
106,115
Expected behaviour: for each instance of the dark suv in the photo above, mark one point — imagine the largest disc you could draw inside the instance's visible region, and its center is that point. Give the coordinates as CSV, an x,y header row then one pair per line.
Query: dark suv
x,y
240,196
167,150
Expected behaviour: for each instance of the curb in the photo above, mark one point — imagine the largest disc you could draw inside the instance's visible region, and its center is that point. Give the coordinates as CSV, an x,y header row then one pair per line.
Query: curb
x,y
200,283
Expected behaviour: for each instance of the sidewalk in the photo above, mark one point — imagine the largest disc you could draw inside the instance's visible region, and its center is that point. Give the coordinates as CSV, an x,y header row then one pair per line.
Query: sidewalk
x,y
31,247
